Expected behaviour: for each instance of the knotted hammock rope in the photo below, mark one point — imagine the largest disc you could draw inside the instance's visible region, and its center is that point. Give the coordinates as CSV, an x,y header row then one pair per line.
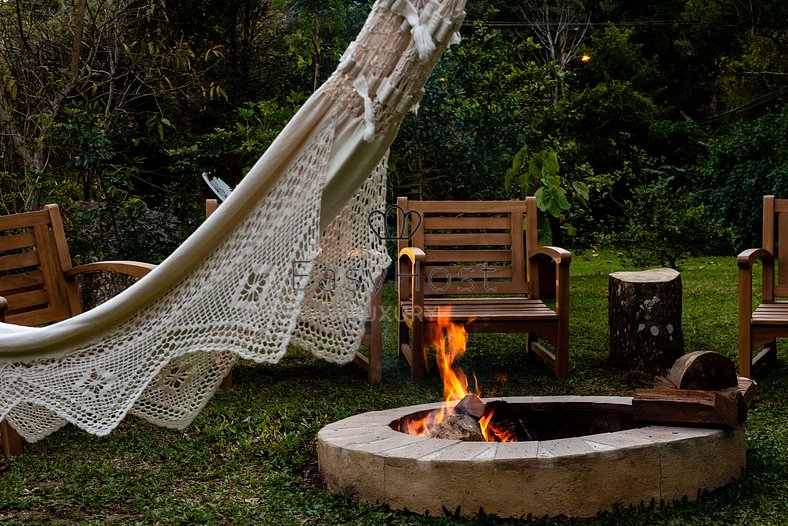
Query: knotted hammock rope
x,y
292,256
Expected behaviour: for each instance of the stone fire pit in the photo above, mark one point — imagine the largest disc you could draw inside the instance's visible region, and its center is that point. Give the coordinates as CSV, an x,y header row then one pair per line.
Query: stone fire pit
x,y
610,462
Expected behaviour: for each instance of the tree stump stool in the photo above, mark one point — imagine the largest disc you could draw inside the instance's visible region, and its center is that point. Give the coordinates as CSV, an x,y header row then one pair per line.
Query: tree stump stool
x,y
644,312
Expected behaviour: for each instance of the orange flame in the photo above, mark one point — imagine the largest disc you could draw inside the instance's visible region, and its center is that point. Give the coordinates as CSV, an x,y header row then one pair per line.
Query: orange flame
x,y
450,343
491,432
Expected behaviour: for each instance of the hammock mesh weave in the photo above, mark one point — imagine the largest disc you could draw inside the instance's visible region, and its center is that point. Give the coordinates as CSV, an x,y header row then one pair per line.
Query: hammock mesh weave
x,y
291,257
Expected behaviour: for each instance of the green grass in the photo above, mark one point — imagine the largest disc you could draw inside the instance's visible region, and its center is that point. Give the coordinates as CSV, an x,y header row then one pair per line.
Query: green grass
x,y
250,458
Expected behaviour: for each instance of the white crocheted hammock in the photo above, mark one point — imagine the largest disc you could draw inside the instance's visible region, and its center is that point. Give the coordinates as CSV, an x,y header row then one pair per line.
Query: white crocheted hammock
x,y
247,282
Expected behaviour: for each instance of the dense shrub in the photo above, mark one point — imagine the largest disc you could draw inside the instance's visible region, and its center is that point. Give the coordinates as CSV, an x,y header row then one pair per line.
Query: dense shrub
x,y
744,165
474,117
663,224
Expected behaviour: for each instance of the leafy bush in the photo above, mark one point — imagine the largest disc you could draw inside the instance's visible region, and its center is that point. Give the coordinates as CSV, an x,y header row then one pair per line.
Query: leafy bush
x,y
230,152
663,224
743,166
123,230
473,118
537,174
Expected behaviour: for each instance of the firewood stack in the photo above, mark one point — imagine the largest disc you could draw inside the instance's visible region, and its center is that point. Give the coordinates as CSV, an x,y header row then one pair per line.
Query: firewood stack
x,y
700,390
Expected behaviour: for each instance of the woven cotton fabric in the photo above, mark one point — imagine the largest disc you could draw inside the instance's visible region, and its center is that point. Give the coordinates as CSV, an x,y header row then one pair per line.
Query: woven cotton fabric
x,y
292,256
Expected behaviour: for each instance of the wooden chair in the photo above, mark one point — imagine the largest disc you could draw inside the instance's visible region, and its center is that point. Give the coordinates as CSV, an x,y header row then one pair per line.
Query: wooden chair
x,y
37,282
480,259
373,334
769,321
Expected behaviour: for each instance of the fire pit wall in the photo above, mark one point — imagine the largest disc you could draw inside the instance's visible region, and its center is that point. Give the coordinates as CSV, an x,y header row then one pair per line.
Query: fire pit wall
x,y
578,476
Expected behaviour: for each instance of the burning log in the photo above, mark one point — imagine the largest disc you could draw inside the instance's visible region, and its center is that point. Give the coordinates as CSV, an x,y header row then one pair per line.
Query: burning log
x,y
470,405
458,427
701,389
470,419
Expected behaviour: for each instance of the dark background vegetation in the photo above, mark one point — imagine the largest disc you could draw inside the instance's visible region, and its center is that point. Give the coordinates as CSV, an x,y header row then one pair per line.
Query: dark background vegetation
x,y
663,141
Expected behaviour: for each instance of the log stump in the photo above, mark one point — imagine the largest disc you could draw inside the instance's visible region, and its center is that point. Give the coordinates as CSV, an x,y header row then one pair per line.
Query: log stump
x,y
644,312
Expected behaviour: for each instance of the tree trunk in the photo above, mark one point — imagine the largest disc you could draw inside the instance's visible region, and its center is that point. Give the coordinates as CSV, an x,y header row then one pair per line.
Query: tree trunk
x,y
645,319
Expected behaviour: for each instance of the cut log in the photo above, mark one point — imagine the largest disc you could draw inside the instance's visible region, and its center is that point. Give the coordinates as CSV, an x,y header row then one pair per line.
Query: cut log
x,y
470,405
458,427
644,312
748,388
703,370
722,408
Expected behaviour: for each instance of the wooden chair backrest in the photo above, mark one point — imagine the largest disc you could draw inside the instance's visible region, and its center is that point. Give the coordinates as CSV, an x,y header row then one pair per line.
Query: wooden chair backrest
x,y
33,256
775,239
472,247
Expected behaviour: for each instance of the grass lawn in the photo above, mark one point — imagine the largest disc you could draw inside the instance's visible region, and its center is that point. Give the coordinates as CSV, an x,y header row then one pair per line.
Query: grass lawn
x,y
250,457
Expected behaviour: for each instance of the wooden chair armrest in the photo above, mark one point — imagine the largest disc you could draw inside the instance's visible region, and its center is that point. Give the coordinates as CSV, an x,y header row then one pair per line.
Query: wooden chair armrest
x,y
559,255
409,266
745,261
561,258
3,308
415,255
748,257
134,269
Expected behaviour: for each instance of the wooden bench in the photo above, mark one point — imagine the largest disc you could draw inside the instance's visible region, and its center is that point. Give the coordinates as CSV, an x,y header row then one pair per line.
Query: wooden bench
x,y
38,284
769,321
479,261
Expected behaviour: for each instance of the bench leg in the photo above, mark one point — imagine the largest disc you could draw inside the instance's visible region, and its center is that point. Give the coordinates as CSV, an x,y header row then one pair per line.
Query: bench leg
x,y
11,441
375,370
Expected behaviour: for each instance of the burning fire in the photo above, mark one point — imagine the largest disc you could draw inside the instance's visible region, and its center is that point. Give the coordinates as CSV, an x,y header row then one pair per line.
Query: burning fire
x,y
450,344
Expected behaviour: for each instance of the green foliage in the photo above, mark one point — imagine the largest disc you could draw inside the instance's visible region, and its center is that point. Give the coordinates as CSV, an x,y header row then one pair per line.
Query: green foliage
x,y
231,151
473,119
537,174
614,56
742,166
125,229
664,225
599,135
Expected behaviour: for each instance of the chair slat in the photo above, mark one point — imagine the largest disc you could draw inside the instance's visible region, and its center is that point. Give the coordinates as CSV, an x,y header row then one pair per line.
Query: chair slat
x,y
434,287
17,241
20,260
781,205
459,256
21,281
466,223
465,240
39,317
457,272
26,300
467,207
24,220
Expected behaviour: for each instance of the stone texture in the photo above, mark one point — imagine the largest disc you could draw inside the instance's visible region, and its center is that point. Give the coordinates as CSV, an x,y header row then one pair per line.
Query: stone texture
x,y
576,477
717,459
